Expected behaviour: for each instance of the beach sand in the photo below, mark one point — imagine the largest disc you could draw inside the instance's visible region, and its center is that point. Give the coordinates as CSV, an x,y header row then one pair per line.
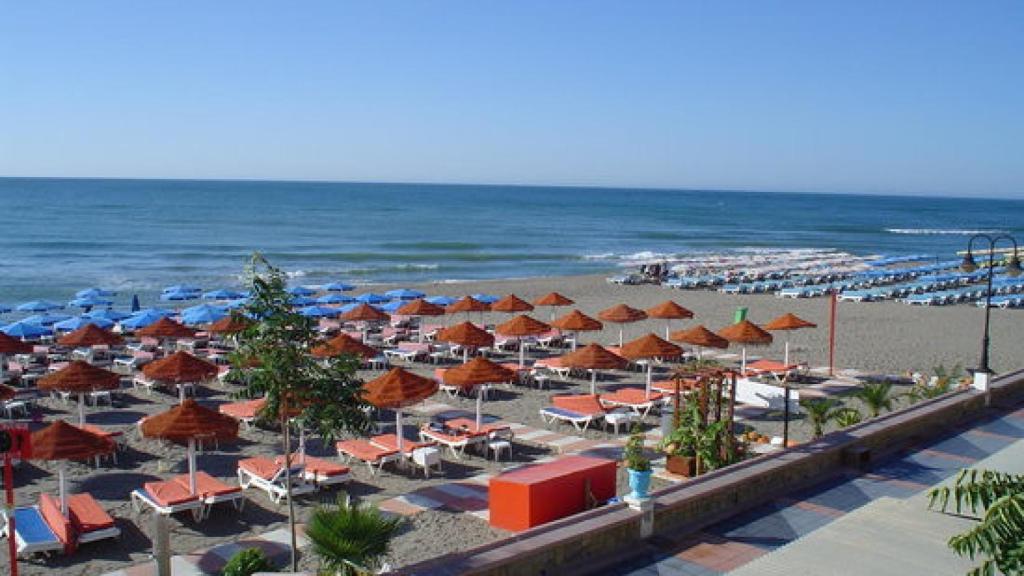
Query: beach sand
x,y
888,338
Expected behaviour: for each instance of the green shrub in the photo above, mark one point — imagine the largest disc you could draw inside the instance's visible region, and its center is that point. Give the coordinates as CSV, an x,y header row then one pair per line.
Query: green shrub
x,y
248,562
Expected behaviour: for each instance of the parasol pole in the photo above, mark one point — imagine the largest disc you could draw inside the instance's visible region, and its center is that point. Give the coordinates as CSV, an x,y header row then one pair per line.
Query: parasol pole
x,y
785,359
63,490
192,465
620,335
398,431
522,352
81,408
302,443
743,362
668,328
593,381
575,339
479,405
465,354
647,386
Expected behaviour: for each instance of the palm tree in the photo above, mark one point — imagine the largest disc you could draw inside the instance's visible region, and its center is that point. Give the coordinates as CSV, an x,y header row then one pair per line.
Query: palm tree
x,y
941,382
877,396
847,417
351,540
820,411
997,537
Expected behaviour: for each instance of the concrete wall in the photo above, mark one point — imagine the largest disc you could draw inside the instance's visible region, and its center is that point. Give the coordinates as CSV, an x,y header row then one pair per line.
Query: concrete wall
x,y
585,542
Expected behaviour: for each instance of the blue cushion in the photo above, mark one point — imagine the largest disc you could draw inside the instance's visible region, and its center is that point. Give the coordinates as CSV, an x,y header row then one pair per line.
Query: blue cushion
x,y
31,527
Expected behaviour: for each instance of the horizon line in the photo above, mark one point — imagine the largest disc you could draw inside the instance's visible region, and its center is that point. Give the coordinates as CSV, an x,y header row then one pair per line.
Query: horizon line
x,y
522,185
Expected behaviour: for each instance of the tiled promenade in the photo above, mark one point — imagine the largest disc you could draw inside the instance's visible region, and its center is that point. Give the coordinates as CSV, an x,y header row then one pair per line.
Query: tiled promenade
x,y
734,542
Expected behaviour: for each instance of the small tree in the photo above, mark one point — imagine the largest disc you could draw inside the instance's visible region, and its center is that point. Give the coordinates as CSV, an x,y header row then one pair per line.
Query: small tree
x,y
248,562
821,411
351,540
634,452
848,416
876,396
999,535
273,354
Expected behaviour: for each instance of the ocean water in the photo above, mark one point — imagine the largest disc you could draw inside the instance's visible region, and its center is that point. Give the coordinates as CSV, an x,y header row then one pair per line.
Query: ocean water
x,y
136,236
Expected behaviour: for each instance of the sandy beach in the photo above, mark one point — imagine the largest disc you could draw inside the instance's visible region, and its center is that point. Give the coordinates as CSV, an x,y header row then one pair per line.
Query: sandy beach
x,y
884,338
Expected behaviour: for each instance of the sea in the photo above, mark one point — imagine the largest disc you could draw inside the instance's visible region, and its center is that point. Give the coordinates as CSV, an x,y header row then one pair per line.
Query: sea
x,y
137,236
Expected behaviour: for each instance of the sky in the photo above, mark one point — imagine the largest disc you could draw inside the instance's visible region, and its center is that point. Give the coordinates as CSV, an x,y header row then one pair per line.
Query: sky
x,y
911,97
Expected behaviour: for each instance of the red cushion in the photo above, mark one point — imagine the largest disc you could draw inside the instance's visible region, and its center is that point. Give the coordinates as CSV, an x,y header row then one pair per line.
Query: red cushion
x,y
49,507
87,515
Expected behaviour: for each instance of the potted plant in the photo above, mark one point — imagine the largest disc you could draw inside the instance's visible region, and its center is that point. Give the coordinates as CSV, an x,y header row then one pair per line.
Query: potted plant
x,y
680,448
637,465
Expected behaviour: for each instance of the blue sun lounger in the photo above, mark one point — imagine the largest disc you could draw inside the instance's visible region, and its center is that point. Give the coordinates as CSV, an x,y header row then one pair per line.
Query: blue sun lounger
x,y
32,533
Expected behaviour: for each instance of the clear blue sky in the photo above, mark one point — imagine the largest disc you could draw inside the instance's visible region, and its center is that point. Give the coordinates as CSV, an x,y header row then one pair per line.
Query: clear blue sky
x,y
923,97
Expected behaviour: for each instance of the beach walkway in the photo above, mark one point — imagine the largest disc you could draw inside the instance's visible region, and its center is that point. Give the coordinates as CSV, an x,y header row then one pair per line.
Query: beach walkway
x,y
758,534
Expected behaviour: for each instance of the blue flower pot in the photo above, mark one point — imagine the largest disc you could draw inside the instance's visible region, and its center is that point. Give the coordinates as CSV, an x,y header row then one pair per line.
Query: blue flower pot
x,y
639,483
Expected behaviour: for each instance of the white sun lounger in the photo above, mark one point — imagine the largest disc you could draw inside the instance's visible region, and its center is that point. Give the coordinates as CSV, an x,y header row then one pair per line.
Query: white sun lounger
x,y
167,498
263,473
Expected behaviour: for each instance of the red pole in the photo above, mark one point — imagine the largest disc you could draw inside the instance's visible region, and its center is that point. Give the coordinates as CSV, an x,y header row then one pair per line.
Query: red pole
x,y
832,337
12,545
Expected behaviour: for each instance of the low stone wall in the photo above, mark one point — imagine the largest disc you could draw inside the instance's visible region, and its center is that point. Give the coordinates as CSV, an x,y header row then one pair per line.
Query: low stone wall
x,y
583,543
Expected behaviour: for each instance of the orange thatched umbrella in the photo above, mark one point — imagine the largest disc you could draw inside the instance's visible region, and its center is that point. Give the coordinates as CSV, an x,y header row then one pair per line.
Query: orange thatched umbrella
x,y
621,314
229,325
80,378
700,337
397,389
467,335
90,335
519,327
788,322
186,423
421,309
649,347
10,345
475,373
62,441
467,304
577,322
365,313
745,332
669,311
593,357
511,304
553,300
344,344
180,368
166,328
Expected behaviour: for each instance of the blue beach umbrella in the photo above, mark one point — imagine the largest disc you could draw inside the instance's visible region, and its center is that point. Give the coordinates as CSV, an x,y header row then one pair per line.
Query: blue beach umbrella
x,y
236,303
107,314
201,308
90,302
45,319
5,308
79,321
25,330
334,299
142,319
348,307
486,298
302,301
300,291
404,294
179,295
222,294
182,288
390,307
94,292
319,311
338,287
371,298
442,300
204,316
38,306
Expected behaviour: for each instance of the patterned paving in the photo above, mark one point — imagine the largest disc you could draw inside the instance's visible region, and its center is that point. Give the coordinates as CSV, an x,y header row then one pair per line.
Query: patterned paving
x,y
743,538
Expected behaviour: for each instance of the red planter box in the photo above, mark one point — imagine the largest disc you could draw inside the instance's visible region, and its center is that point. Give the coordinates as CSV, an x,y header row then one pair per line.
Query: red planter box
x,y
534,495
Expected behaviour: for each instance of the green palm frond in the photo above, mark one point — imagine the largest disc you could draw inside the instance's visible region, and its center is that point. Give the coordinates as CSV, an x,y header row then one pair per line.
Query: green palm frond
x,y
351,539
876,396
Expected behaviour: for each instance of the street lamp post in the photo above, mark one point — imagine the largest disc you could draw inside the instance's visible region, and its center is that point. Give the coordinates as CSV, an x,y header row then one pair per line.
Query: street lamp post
x,y
981,374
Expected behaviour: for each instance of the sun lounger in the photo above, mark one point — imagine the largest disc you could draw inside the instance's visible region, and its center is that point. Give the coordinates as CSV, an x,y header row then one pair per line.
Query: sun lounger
x,y
364,451
32,533
90,521
456,440
271,477
44,528
636,399
320,471
581,411
244,411
213,491
167,497
425,455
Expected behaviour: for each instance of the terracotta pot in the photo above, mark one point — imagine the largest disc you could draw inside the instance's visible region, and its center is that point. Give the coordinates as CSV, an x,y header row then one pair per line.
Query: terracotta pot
x,y
681,465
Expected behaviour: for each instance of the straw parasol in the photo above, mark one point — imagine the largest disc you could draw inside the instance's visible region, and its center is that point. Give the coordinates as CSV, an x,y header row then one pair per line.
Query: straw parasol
x,y
397,389
669,311
344,344
649,347
365,313
577,322
62,441
622,314
90,335
788,322
511,304
80,378
179,368
593,357
553,300
10,345
188,422
475,373
519,327
467,335
421,309
229,325
700,337
745,332
467,304
166,328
